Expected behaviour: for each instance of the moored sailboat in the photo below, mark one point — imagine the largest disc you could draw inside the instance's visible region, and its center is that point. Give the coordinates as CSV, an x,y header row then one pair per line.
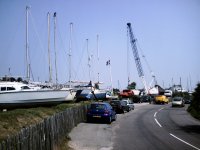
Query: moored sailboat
x,y
17,94
14,93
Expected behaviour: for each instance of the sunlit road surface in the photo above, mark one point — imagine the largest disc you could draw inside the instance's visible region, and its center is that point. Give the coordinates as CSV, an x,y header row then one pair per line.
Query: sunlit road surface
x,y
149,126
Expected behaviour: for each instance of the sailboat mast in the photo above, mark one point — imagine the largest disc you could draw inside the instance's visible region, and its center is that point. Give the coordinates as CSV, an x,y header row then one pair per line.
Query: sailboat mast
x,y
55,47
70,51
110,76
88,61
50,70
27,45
98,55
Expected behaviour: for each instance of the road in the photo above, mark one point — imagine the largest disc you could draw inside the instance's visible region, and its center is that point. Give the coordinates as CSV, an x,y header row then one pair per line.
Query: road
x,y
149,126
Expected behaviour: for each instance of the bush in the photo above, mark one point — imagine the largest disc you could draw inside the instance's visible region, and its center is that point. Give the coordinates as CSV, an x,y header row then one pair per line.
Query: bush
x,y
194,107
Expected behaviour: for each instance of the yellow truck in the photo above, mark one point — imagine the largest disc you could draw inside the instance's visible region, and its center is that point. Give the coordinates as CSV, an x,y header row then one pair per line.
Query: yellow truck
x,y
161,99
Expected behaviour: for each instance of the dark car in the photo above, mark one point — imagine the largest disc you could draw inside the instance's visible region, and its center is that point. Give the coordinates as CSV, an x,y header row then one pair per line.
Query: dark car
x,y
129,103
117,105
188,101
125,106
145,98
101,111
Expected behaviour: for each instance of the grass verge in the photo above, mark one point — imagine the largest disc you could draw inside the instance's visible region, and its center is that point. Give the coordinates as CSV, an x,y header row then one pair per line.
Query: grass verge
x,y
12,121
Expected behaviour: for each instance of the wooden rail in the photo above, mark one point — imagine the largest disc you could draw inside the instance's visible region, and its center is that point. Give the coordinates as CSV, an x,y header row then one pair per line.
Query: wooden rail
x,y
48,134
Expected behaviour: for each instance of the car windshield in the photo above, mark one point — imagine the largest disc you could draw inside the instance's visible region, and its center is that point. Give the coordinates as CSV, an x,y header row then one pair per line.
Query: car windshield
x,y
114,102
177,99
98,106
123,102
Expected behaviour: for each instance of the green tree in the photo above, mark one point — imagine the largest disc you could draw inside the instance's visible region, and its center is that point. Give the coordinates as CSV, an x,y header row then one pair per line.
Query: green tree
x,y
131,86
194,107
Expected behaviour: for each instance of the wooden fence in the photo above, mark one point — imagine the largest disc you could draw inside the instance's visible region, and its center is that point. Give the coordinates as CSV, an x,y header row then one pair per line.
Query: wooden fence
x,y
48,134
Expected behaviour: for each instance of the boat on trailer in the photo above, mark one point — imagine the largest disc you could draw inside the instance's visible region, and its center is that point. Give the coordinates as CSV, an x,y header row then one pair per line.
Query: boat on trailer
x,y
16,94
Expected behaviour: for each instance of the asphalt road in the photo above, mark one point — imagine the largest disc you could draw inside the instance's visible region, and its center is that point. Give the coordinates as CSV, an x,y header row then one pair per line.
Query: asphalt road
x,y
149,126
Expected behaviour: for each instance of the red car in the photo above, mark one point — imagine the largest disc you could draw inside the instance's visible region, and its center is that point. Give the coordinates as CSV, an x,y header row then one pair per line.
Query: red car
x,y
126,93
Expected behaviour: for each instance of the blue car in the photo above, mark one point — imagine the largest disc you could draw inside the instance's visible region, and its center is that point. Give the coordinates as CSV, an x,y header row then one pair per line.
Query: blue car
x,y
101,111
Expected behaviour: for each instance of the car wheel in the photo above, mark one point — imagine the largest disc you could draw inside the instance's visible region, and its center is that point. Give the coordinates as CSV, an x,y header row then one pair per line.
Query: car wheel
x,y
109,120
88,120
115,118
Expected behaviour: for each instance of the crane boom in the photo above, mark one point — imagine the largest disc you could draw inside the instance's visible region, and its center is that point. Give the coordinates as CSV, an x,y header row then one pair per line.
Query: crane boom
x,y
135,51
136,57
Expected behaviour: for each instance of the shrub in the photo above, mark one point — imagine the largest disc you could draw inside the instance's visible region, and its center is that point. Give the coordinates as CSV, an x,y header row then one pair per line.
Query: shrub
x,y
194,107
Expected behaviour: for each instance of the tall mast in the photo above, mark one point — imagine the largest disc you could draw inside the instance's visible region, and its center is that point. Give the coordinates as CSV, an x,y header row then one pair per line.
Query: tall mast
x,y
27,46
110,76
50,70
70,51
98,54
88,61
55,47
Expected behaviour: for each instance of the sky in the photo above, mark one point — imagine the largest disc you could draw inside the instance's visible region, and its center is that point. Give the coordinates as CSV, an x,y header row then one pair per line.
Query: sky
x,y
167,33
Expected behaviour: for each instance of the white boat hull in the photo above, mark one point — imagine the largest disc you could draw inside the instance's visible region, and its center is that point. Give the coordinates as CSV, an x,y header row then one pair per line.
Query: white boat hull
x,y
71,96
32,97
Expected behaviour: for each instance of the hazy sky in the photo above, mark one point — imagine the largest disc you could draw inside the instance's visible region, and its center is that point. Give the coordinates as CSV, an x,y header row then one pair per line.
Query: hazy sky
x,y
167,32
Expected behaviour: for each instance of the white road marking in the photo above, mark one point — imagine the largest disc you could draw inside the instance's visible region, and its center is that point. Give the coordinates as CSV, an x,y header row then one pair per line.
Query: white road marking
x,y
155,114
161,109
184,141
157,122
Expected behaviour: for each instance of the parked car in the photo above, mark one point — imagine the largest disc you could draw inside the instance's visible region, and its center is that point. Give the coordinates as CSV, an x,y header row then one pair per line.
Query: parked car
x,y
101,111
129,103
125,106
146,98
178,101
188,101
118,106
168,93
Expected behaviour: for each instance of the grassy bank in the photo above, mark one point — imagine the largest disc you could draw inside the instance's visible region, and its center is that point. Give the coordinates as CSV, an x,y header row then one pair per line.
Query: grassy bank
x,y
12,121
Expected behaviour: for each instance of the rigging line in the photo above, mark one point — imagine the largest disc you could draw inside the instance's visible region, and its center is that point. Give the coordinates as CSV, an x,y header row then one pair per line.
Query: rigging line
x,y
63,48
148,66
144,57
61,39
37,34
75,52
38,37
66,53
80,60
